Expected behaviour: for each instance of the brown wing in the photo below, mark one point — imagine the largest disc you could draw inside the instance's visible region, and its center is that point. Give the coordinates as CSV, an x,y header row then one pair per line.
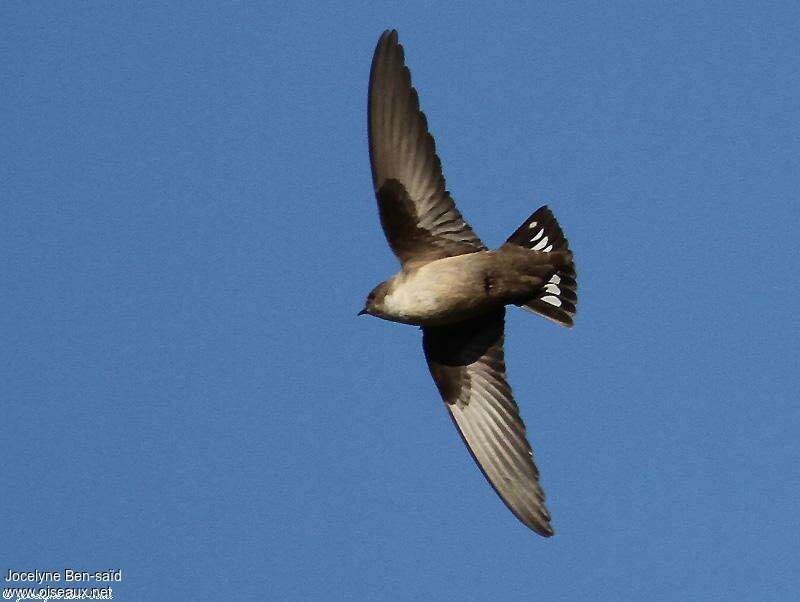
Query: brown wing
x,y
467,363
418,215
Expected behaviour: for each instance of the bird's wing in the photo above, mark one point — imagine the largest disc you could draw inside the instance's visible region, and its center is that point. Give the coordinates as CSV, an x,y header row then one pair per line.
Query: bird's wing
x,y
467,363
418,215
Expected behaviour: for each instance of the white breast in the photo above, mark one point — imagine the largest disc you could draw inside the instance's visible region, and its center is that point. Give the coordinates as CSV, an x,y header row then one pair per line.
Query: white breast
x,y
412,299
430,293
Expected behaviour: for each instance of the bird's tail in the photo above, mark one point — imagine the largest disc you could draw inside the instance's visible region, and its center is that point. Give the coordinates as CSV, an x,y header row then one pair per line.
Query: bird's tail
x,y
557,298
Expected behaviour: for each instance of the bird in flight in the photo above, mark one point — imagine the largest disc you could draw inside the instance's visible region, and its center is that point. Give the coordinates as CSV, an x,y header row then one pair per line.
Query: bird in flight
x,y
456,289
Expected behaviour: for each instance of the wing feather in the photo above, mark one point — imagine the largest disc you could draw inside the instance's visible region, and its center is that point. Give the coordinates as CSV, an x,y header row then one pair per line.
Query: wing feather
x,y
467,363
419,217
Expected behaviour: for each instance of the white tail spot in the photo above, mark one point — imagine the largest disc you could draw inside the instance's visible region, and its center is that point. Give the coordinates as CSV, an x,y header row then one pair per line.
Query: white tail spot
x,y
552,288
538,236
541,244
555,279
532,225
552,300
548,248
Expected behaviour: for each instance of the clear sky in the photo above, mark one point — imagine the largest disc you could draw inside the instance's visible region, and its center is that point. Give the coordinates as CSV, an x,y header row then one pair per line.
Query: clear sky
x,y
187,230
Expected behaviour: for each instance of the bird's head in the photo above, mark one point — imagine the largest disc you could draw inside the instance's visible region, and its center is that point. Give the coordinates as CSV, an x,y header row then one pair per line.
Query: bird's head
x,y
374,303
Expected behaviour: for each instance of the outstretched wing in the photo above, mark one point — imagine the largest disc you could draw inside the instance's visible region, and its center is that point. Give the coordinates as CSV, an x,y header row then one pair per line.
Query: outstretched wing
x,y
418,215
466,361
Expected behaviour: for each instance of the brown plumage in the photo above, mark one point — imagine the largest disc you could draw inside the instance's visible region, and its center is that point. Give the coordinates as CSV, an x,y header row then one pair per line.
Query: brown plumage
x,y
457,289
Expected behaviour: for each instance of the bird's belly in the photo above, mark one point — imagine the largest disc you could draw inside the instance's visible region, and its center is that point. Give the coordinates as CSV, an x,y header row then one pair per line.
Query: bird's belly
x,y
438,293
424,306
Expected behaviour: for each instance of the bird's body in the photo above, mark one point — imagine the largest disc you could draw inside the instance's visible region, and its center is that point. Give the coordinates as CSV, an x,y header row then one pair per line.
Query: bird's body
x,y
436,293
453,289
456,289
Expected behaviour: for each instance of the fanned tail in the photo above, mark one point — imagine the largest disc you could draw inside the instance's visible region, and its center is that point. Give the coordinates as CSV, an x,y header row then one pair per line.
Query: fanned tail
x,y
557,299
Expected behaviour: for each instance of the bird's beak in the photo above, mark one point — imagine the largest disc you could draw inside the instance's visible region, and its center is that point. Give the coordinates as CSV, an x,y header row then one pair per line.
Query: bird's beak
x,y
363,311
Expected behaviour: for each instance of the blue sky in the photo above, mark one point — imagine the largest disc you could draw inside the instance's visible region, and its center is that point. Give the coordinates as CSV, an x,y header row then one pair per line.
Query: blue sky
x,y
187,230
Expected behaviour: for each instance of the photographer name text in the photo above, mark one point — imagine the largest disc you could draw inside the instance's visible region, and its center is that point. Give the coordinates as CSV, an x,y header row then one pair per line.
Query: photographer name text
x,y
70,575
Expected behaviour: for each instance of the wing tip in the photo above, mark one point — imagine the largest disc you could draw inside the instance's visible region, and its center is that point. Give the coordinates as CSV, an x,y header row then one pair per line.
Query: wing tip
x,y
389,36
537,521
